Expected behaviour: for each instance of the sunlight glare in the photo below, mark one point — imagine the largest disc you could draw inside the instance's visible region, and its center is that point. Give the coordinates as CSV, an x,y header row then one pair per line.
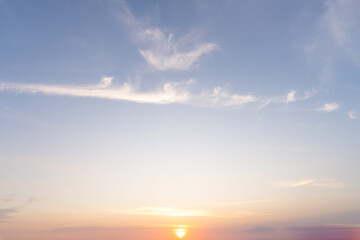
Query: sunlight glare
x,y
180,232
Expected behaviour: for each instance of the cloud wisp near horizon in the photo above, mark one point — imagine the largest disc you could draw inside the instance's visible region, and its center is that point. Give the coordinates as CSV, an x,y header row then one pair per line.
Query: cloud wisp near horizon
x,y
167,211
7,213
313,182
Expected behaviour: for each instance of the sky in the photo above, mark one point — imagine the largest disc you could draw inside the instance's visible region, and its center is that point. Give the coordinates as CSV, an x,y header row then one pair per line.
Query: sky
x,y
202,119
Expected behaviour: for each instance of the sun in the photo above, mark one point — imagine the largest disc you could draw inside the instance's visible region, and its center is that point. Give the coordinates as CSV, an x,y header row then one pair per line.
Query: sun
x,y
180,232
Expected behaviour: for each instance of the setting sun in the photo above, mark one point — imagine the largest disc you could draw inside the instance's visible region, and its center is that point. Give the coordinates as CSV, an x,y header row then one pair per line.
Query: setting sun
x,y
180,232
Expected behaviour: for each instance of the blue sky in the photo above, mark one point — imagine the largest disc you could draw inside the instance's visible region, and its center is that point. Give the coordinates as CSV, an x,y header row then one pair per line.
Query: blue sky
x,y
211,108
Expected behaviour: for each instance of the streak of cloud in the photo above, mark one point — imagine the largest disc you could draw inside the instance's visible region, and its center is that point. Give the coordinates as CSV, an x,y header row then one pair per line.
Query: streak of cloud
x,y
290,97
9,198
6,213
260,229
167,211
168,93
313,182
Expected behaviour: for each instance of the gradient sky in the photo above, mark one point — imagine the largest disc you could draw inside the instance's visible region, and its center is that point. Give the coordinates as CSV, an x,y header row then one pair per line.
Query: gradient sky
x,y
129,119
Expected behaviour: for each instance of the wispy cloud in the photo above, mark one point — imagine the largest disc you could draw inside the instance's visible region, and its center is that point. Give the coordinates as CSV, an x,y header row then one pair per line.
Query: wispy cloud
x,y
325,227
299,183
82,229
170,92
328,183
332,37
176,212
88,229
6,213
245,202
293,96
9,112
313,182
290,97
220,97
8,198
243,214
167,211
167,93
164,51
338,20
102,228
260,229
352,115
342,18
30,200
328,107
335,34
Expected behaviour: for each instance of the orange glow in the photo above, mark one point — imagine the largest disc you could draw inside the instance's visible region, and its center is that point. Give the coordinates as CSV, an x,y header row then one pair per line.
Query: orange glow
x,y
180,232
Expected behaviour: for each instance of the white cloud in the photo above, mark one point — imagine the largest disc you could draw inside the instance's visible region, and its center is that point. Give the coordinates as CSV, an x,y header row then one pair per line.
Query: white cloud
x,y
167,93
328,183
163,51
222,98
329,107
299,183
352,115
170,92
290,97
170,58
105,82
313,182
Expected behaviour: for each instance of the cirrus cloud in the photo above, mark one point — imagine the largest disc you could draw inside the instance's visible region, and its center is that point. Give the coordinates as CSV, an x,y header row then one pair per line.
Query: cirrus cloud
x,y
163,50
352,115
329,107
312,182
164,53
167,93
167,211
